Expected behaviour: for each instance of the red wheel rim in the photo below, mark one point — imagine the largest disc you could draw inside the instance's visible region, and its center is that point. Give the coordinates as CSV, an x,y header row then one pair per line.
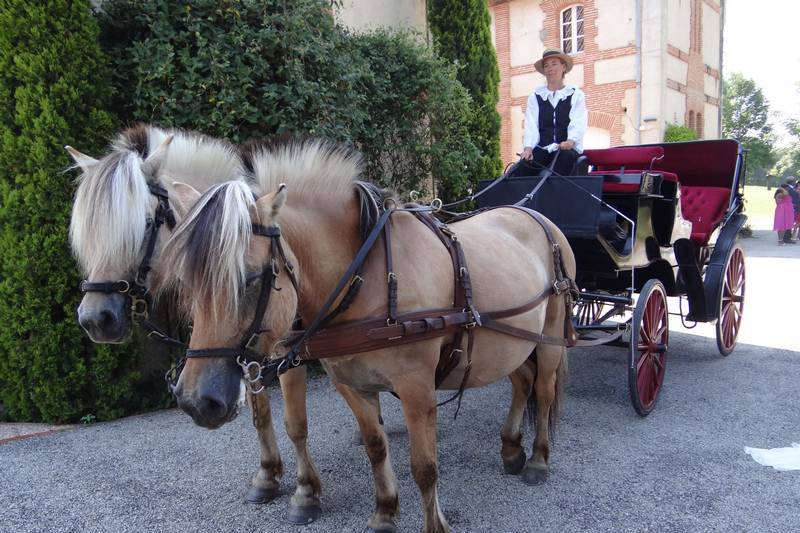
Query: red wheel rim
x,y
732,304
652,347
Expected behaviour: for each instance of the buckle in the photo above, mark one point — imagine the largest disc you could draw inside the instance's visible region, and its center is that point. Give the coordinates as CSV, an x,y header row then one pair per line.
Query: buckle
x,y
251,342
560,286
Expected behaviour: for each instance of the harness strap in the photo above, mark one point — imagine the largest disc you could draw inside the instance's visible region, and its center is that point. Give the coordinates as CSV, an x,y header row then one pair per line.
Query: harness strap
x,y
104,286
391,277
291,358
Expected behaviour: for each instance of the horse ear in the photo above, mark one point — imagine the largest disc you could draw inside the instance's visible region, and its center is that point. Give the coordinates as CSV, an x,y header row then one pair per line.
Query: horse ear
x,y
185,197
153,163
273,202
82,160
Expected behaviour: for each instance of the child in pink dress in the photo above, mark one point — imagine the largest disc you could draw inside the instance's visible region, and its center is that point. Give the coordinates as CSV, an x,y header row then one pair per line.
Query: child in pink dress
x,y
784,214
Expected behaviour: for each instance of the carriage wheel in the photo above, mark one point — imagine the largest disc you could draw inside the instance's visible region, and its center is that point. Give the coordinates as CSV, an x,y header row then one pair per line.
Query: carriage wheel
x,y
648,347
587,312
731,305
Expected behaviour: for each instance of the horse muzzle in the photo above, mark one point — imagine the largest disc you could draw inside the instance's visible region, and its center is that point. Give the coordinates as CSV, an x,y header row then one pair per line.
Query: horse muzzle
x,y
213,398
104,318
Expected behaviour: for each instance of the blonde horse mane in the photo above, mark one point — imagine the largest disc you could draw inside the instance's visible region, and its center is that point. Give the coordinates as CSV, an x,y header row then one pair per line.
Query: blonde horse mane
x,y
308,166
112,200
206,253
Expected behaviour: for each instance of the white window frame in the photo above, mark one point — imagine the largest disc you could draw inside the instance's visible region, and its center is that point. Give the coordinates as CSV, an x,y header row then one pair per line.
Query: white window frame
x,y
573,23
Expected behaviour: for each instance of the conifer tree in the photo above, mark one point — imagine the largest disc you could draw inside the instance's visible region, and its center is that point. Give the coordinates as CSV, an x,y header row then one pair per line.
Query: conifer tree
x,y
53,90
462,33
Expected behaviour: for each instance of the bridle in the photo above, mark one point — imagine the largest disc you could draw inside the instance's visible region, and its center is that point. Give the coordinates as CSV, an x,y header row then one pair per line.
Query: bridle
x,y
135,288
251,361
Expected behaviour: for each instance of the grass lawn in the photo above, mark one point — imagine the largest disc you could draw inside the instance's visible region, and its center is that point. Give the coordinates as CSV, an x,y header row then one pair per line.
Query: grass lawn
x,y
759,206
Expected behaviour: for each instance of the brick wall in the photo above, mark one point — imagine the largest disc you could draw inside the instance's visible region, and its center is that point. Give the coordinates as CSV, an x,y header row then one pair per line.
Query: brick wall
x,y
606,102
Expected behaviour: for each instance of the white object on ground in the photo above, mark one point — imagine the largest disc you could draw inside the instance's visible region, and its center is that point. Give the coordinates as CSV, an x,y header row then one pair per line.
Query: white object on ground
x,y
781,459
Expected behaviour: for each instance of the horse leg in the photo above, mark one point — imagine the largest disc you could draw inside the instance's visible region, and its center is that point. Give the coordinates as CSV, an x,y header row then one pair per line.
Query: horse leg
x,y
265,485
512,452
357,440
419,409
304,507
545,402
366,408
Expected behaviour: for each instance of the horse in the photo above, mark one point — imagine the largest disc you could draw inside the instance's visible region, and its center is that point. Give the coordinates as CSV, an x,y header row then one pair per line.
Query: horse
x,y
121,201
309,198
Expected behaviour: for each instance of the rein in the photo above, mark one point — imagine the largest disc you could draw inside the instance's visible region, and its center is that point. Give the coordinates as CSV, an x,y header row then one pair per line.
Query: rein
x,y
135,289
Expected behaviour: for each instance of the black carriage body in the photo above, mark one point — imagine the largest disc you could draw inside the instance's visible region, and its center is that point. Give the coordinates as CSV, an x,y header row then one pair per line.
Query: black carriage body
x,y
640,231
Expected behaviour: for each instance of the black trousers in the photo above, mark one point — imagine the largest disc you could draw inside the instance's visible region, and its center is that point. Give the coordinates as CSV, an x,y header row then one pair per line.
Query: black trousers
x,y
565,166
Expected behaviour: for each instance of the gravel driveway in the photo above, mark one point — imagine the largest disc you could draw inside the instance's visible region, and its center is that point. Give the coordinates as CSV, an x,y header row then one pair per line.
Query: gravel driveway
x,y
681,469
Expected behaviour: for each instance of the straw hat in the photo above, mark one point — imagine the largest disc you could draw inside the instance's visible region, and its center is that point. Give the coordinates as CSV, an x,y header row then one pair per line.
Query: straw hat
x,y
553,52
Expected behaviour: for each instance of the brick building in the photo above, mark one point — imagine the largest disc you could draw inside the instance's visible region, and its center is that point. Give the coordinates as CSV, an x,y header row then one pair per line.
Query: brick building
x,y
643,64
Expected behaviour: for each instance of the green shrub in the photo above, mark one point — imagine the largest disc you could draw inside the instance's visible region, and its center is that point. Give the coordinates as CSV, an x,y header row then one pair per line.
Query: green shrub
x,y
53,91
675,133
418,117
461,32
244,68
231,68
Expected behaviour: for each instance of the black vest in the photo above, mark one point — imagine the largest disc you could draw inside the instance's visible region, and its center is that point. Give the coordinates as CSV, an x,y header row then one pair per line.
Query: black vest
x,y
553,122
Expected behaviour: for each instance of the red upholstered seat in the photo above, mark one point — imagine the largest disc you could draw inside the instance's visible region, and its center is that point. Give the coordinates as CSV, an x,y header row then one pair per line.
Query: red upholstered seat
x,y
628,161
610,186
704,207
624,156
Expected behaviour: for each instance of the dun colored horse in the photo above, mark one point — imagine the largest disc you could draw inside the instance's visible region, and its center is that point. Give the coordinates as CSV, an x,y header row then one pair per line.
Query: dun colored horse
x,y
310,230
121,219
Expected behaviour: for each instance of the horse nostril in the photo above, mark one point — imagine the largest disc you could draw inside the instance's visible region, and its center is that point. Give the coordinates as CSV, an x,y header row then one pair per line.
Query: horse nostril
x,y
212,407
106,320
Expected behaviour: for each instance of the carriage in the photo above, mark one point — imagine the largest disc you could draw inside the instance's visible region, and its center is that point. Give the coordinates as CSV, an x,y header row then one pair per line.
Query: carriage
x,y
646,223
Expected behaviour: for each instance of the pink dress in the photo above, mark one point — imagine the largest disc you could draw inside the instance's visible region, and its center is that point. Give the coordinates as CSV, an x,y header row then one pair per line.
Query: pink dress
x,y
784,215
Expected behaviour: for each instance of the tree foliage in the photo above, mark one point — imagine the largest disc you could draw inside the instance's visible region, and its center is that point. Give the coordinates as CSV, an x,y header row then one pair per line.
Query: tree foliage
x,y
232,68
418,116
745,117
53,91
249,68
678,133
462,33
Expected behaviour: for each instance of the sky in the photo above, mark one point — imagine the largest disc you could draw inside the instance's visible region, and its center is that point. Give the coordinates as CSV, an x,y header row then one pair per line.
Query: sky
x,y
762,41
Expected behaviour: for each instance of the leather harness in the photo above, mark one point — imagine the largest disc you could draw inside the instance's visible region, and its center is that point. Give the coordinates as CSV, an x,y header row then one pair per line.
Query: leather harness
x,y
320,342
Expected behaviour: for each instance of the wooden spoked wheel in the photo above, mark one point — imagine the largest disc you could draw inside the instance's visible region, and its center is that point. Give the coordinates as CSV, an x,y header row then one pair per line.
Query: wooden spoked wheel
x,y
648,347
587,312
731,305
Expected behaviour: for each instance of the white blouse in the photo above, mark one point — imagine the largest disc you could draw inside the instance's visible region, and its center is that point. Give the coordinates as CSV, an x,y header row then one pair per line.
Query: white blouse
x,y
578,117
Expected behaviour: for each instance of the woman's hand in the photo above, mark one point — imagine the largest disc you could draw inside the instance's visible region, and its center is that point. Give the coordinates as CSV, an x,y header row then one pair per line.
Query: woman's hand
x,y
527,153
567,145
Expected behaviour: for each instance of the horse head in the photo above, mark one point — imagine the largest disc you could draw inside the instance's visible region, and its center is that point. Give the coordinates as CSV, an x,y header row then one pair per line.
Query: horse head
x,y
112,216
121,203
236,284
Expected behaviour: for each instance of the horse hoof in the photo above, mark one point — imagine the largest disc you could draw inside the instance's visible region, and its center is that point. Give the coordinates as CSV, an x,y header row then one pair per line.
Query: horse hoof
x,y
533,475
260,495
515,465
300,516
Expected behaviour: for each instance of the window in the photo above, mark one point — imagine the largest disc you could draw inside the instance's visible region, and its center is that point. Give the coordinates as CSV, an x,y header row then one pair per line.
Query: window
x,y
700,125
572,29
691,120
